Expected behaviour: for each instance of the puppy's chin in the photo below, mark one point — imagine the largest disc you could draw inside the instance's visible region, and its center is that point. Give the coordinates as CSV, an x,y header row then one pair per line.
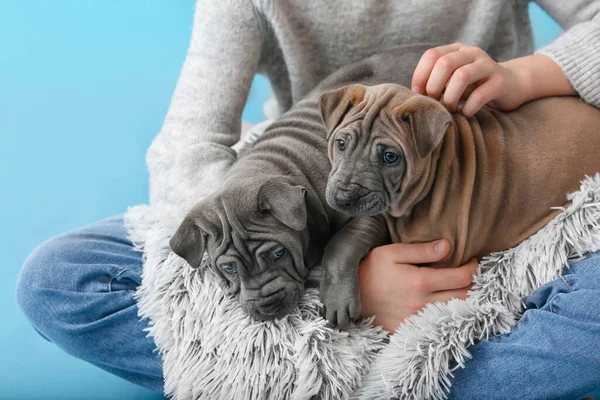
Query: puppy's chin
x,y
261,315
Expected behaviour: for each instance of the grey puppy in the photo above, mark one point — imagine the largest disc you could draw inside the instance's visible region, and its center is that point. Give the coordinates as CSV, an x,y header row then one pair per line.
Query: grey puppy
x,y
269,222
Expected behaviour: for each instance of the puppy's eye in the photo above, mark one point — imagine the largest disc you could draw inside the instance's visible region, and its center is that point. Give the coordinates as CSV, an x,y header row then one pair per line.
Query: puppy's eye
x,y
230,269
390,158
278,253
340,144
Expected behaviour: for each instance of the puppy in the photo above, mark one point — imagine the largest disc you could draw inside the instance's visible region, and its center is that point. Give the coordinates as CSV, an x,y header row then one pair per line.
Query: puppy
x,y
485,183
269,223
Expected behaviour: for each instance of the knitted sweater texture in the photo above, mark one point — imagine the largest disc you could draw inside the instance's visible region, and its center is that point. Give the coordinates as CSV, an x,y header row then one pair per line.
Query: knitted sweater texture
x,y
297,43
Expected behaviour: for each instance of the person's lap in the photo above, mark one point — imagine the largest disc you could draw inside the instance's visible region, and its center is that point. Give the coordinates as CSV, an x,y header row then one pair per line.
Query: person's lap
x,y
554,350
77,290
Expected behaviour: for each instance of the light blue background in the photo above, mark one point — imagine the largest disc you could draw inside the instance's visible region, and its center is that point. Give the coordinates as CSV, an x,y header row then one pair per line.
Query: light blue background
x,y
84,86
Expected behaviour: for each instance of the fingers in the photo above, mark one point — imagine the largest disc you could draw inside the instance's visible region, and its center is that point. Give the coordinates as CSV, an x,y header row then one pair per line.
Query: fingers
x,y
444,68
446,279
486,92
426,64
461,81
415,253
448,295
454,71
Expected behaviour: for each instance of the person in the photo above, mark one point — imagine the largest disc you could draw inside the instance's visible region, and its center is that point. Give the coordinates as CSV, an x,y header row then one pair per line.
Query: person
x,y
77,289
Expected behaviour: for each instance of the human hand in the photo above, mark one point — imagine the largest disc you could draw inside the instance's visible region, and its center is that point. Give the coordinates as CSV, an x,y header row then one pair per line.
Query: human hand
x,y
392,288
466,72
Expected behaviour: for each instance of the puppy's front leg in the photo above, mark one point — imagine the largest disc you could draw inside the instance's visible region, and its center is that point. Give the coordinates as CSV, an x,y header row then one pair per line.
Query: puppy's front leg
x,y
339,287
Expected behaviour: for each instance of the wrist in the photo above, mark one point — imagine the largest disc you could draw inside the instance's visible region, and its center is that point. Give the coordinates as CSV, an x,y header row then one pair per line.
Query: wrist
x,y
538,76
525,80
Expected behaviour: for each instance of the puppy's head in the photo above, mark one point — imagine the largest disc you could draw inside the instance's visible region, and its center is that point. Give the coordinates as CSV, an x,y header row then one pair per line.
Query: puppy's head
x,y
380,141
255,237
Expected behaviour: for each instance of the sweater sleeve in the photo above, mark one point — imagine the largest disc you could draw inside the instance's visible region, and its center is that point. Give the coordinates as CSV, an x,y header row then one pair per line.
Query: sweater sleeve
x,y
192,151
577,50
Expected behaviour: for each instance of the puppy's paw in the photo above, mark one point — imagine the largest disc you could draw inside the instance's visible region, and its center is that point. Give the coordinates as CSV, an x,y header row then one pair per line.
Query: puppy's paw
x,y
341,303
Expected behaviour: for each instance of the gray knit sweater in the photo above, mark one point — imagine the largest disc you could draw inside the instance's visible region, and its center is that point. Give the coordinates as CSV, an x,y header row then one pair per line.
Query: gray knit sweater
x,y
296,43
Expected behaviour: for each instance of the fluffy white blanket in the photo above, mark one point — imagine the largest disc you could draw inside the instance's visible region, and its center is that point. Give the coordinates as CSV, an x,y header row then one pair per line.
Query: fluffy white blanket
x,y
212,350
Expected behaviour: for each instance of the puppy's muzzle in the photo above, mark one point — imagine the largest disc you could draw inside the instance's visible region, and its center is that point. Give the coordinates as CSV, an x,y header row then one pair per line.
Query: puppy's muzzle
x,y
348,196
272,304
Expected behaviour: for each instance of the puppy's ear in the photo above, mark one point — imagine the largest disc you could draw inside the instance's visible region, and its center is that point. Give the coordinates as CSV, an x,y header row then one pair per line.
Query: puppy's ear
x,y
285,202
336,104
189,241
428,119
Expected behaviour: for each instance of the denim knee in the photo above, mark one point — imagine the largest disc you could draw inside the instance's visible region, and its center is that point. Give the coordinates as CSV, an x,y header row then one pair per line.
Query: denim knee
x,y
77,290
38,280
61,283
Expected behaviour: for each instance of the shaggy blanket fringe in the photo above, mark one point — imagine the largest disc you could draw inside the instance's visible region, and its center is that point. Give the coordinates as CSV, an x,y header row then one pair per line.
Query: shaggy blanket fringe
x,y
212,350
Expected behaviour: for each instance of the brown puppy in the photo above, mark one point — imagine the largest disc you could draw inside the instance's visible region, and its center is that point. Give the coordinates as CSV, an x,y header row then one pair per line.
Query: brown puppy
x,y
484,183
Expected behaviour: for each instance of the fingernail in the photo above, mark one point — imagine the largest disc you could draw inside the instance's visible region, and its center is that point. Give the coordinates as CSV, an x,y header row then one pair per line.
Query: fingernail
x,y
416,89
438,247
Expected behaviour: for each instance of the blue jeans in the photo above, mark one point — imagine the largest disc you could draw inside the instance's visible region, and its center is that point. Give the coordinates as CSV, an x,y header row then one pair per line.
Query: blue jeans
x,y
77,291
554,350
